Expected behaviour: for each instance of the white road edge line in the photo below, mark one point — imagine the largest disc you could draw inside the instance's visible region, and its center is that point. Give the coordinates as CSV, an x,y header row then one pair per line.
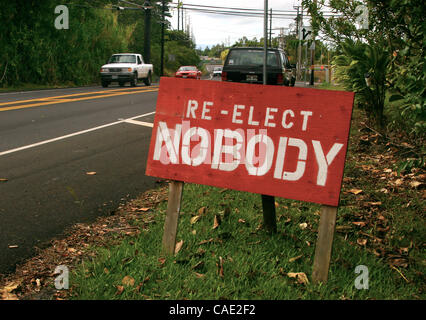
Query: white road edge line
x,y
73,134
140,123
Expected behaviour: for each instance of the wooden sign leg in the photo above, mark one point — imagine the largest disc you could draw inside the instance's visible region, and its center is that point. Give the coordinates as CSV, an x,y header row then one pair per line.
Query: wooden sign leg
x,y
172,217
324,244
269,215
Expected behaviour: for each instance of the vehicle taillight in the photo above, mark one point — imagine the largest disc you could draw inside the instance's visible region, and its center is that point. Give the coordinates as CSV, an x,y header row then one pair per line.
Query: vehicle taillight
x,y
280,78
224,76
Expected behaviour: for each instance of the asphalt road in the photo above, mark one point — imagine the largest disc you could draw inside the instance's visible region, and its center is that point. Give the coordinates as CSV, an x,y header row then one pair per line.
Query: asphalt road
x,y
49,141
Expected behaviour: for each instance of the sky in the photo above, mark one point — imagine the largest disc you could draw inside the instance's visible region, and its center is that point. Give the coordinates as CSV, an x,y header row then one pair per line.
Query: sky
x,y
210,29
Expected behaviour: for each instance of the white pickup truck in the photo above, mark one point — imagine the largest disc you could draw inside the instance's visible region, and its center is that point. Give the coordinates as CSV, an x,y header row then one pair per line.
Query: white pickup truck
x,y
126,67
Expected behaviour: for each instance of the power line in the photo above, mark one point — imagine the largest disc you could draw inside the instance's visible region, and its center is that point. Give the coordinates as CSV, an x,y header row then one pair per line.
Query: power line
x,y
237,12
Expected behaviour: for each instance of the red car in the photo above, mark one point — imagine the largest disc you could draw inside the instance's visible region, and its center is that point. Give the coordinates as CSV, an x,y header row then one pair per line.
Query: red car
x,y
188,72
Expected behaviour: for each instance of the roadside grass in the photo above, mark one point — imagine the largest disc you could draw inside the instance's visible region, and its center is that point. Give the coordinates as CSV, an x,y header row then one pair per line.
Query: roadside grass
x,y
329,86
380,224
32,86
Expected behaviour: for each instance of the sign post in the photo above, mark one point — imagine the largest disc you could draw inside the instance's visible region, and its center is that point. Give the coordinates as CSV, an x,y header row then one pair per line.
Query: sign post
x,y
275,141
324,244
172,216
268,202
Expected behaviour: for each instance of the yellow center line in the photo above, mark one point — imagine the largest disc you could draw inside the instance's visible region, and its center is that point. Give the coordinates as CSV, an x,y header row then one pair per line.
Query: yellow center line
x,y
74,95
53,100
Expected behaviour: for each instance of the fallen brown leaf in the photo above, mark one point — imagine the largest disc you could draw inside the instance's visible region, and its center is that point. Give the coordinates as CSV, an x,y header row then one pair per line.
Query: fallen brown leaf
x,y
128,281
119,291
91,173
300,277
202,210
3,180
377,203
199,275
10,286
415,184
355,191
194,219
398,182
220,267
206,241
197,265
303,225
359,223
216,221
361,242
241,221
295,258
178,246
8,296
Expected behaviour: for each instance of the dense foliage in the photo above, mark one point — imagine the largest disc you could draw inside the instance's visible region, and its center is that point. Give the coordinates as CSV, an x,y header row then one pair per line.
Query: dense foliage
x,y
395,31
32,50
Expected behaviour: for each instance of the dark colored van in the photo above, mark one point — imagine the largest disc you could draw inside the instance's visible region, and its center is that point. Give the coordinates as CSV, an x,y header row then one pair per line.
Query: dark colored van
x,y
246,65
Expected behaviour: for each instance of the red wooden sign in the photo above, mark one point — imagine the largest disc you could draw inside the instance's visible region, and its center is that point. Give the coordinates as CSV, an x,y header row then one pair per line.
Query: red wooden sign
x,y
280,141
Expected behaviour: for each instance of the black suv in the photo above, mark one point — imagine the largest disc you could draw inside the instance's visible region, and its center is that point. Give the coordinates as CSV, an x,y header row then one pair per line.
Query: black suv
x,y
246,65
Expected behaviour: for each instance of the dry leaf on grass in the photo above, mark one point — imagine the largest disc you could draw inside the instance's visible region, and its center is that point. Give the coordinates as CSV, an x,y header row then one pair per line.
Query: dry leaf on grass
x,y
355,191
10,287
216,221
198,265
194,219
359,223
206,241
128,281
361,242
241,221
178,246
295,258
199,275
300,277
91,173
220,267
119,291
303,225
398,182
3,180
202,210
415,184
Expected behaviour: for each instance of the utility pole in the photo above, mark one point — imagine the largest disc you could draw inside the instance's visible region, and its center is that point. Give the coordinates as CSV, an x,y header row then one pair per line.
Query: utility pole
x,y
311,82
182,25
299,23
270,28
163,22
147,36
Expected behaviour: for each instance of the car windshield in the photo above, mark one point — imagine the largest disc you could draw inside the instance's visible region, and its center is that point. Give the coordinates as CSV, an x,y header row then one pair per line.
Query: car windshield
x,y
122,58
252,58
187,69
